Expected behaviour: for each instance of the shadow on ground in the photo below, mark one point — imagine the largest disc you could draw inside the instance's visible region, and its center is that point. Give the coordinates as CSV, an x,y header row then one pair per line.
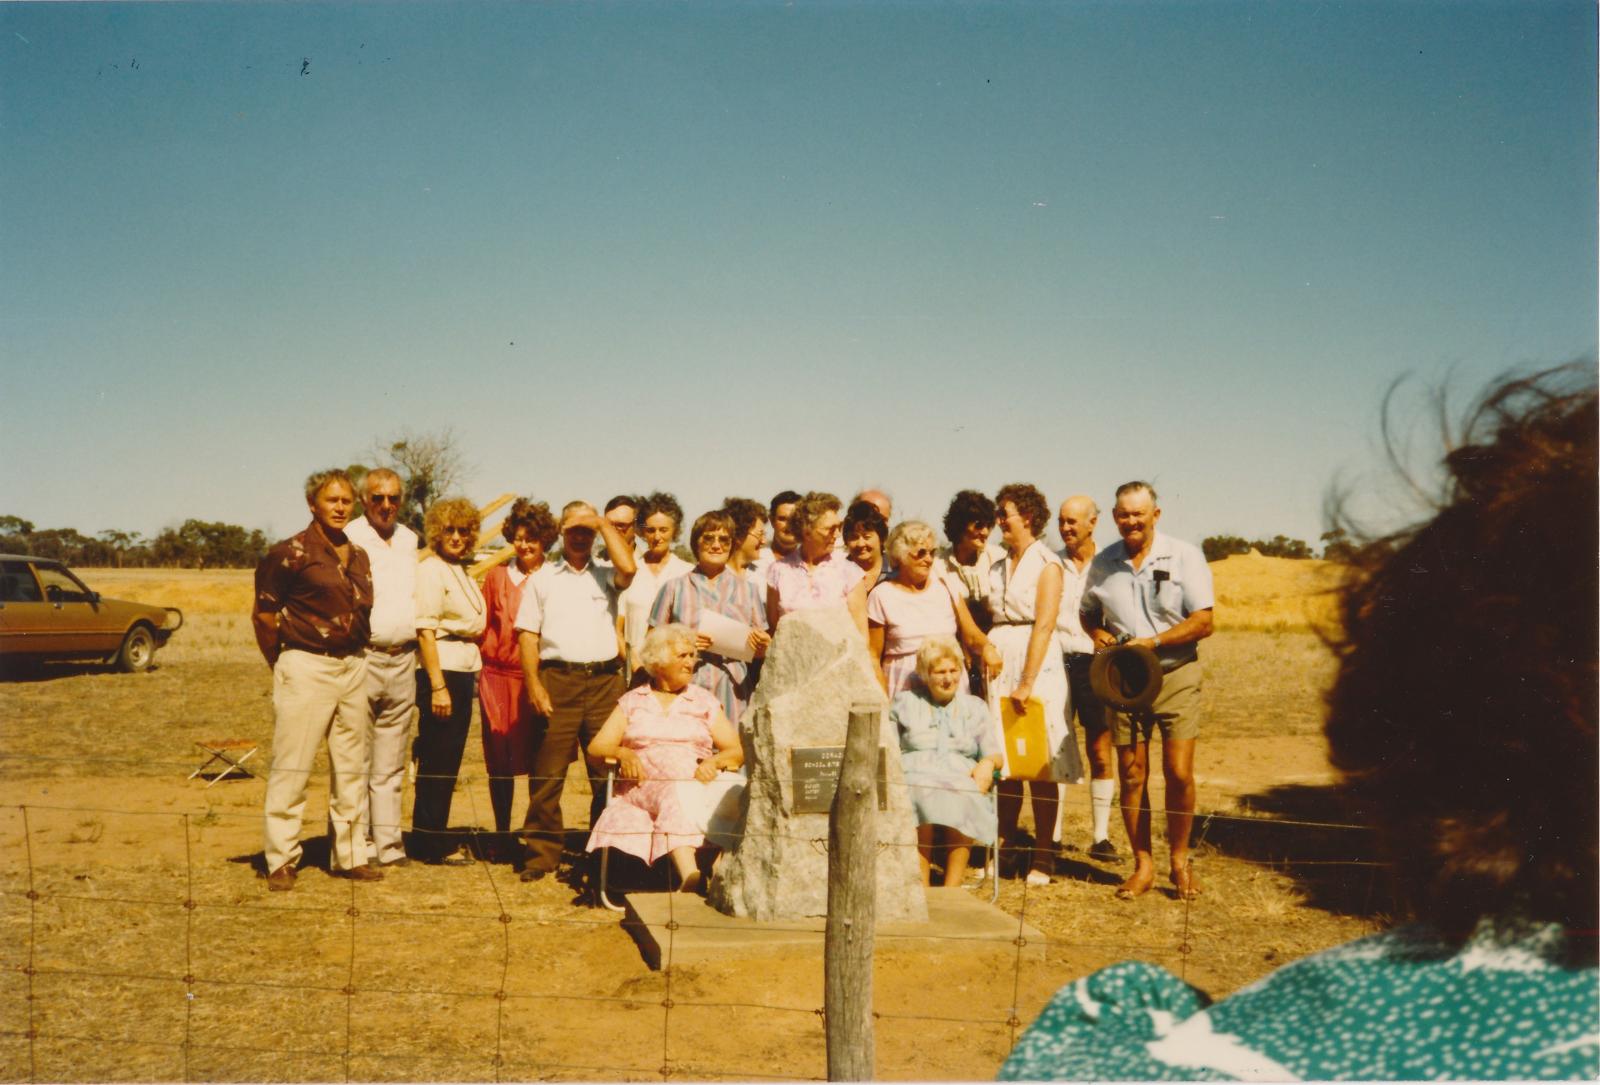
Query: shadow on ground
x,y
1313,835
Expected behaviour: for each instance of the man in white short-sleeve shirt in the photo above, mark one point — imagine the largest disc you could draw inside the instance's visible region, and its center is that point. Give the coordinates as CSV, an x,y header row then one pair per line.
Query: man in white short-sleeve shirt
x,y
391,655
572,668
1153,590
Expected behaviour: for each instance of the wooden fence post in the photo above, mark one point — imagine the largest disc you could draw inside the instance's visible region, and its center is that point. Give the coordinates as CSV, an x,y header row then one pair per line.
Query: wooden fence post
x,y
852,903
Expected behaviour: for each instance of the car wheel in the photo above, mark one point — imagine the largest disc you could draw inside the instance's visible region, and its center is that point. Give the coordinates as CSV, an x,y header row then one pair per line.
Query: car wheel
x,y
138,649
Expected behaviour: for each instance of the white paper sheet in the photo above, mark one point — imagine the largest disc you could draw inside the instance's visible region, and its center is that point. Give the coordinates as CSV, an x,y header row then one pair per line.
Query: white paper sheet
x,y
729,639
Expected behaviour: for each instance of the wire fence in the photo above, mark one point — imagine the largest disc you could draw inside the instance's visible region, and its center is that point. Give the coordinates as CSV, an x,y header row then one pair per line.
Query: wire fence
x,y
184,967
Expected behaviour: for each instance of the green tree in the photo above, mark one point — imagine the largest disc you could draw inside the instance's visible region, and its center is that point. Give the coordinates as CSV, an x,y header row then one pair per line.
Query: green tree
x,y
429,464
1217,547
1281,546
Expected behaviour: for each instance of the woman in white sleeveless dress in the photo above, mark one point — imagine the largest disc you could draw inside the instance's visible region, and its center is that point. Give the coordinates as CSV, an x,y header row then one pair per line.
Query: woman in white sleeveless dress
x,y
1025,597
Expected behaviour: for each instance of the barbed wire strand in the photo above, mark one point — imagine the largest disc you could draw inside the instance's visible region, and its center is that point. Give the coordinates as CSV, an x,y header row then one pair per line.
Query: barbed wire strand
x,y
350,983
470,777
666,995
33,938
505,936
190,980
188,947
1013,1020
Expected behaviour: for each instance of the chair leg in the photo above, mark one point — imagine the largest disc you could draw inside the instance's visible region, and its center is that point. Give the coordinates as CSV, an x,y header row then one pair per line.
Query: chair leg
x,y
605,853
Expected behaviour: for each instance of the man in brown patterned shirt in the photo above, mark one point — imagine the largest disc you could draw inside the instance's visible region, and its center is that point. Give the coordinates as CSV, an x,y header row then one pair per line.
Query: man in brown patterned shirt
x,y
312,612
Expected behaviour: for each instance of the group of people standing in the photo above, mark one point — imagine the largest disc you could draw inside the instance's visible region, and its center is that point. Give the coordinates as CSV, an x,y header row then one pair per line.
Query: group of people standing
x,y
359,631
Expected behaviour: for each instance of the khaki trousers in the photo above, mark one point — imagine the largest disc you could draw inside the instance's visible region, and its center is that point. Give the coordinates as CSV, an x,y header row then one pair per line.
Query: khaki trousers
x,y
314,698
392,695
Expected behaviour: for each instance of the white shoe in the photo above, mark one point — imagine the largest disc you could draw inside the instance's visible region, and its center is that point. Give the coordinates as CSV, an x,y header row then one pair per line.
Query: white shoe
x,y
1038,877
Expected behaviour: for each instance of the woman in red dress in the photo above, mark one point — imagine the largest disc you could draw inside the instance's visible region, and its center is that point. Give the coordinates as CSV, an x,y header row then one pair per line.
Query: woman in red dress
x,y
508,723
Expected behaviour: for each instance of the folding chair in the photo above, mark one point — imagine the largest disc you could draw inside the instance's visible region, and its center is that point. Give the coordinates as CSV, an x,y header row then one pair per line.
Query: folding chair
x,y
224,749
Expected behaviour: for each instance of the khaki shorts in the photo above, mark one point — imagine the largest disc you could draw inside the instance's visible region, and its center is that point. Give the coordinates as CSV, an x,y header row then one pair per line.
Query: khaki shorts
x,y
1176,711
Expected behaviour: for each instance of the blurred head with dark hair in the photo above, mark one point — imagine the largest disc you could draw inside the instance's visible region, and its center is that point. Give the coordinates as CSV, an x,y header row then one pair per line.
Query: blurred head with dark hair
x,y
1463,716
661,521
968,523
1029,504
785,537
623,512
749,529
531,530
864,532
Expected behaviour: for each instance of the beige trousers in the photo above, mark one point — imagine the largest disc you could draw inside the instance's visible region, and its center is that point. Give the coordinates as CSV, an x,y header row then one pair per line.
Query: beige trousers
x,y
392,694
315,698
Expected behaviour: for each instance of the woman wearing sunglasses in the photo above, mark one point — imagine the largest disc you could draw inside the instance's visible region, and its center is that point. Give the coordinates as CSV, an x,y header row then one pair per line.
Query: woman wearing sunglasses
x,y
914,605
712,586
450,619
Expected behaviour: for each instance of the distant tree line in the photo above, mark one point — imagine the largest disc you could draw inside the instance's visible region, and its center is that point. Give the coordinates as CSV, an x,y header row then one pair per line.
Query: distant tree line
x,y
1336,546
197,544
430,466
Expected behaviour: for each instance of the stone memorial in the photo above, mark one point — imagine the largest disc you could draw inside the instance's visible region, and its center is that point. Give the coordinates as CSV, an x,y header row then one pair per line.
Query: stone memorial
x,y
816,671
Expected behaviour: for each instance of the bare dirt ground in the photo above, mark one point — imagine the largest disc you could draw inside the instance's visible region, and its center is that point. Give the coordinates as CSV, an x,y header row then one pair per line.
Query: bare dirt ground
x,y
402,980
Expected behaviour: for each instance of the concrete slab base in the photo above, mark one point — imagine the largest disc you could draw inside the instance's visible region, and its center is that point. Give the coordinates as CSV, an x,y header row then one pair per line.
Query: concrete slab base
x,y
685,928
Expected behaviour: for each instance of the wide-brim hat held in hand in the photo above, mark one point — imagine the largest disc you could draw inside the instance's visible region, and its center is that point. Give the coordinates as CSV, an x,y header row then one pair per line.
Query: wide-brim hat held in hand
x,y
1126,676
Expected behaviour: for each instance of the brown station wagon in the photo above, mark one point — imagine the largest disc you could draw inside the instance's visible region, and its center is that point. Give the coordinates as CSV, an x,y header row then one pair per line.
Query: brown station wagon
x,y
48,613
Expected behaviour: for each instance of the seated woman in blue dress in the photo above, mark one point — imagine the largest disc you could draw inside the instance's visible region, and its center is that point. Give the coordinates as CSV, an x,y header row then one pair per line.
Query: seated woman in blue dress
x,y
949,752
1463,724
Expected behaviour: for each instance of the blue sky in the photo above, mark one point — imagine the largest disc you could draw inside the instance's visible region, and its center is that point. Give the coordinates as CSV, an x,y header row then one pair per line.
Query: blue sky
x,y
729,249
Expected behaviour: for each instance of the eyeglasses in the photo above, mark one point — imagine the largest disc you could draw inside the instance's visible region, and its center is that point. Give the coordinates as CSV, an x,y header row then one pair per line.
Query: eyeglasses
x,y
716,540
383,499
920,553
464,532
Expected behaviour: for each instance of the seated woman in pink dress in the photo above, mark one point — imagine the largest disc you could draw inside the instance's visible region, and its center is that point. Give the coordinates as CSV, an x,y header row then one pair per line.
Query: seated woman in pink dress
x,y
669,739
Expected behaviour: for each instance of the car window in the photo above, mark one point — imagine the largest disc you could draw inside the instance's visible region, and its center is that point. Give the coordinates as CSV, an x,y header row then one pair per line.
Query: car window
x,y
17,584
60,586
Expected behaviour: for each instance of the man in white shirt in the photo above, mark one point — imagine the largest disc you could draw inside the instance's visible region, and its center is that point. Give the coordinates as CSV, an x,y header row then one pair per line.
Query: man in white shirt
x,y
1155,591
567,637
1078,517
391,655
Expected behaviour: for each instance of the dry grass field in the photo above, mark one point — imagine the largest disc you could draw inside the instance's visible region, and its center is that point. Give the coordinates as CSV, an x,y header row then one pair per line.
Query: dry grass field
x,y
103,842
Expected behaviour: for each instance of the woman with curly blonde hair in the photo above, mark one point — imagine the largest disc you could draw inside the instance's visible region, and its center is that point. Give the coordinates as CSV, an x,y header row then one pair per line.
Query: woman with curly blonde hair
x,y
450,619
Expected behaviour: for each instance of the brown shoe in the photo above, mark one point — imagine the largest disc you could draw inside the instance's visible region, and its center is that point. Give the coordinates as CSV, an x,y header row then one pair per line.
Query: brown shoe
x,y
366,872
282,879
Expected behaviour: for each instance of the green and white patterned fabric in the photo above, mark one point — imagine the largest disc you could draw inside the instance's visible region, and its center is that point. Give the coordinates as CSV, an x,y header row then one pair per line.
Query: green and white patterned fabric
x,y
1396,1006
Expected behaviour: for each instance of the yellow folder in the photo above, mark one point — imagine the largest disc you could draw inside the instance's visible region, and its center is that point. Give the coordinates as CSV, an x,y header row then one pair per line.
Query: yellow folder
x,y
1027,747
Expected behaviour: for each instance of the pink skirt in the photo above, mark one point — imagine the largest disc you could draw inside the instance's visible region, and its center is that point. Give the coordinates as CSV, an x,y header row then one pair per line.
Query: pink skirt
x,y
507,722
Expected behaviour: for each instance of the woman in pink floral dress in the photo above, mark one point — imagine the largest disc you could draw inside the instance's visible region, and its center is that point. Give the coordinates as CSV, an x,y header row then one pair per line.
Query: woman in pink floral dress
x,y
670,739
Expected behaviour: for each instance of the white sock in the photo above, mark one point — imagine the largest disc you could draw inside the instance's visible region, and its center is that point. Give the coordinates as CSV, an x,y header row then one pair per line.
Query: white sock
x,y
1101,792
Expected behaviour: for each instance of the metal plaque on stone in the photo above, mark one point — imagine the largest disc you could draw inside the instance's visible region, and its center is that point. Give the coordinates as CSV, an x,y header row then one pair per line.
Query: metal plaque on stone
x,y
814,773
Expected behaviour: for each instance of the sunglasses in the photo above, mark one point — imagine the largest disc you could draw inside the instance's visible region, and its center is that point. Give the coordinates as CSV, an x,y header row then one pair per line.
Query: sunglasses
x,y
715,540
920,553
464,532
383,499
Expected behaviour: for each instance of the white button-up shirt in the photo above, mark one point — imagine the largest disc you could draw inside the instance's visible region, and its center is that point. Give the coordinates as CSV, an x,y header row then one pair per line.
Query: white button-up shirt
x,y
1172,584
574,611
1069,626
394,581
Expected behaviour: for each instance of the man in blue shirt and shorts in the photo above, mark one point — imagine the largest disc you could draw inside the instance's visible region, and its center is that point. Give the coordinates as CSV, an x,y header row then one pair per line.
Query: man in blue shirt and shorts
x,y
1153,590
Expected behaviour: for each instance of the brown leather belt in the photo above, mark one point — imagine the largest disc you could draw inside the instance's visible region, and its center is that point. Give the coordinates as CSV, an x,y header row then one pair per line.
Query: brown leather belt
x,y
393,649
610,666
